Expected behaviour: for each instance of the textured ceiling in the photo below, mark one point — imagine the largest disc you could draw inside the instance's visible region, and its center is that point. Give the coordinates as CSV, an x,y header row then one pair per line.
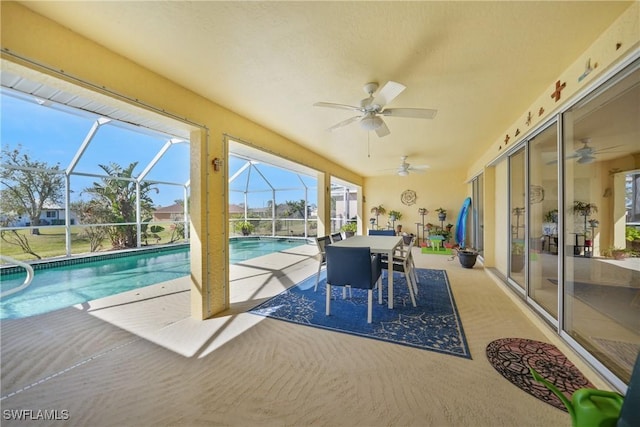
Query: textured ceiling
x,y
481,64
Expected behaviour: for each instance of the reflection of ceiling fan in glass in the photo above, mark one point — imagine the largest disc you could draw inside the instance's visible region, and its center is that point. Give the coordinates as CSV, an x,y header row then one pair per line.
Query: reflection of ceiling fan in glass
x,y
371,108
587,154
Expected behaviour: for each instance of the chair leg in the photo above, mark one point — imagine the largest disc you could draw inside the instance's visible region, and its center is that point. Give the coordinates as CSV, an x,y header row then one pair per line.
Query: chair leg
x,y
379,285
315,288
370,306
410,286
328,303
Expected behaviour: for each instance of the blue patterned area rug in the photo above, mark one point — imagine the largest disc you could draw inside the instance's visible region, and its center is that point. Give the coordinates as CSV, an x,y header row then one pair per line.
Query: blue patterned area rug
x,y
433,325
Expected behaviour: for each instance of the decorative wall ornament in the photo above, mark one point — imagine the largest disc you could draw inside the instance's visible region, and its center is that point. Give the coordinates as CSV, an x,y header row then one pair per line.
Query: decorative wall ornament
x,y
558,92
517,132
529,119
587,69
541,111
408,197
506,139
536,194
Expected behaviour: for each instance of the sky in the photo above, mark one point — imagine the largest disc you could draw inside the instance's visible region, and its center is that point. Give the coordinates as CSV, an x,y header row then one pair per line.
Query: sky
x,y
53,136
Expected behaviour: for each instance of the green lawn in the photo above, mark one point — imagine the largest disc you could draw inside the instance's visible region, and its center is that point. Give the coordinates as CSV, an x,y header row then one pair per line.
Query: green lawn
x,y
51,243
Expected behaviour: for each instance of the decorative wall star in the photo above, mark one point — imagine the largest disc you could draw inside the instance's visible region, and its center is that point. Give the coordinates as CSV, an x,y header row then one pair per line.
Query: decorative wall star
x,y
558,92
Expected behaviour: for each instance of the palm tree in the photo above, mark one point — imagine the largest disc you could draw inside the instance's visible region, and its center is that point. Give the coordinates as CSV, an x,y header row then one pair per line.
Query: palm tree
x,y
117,194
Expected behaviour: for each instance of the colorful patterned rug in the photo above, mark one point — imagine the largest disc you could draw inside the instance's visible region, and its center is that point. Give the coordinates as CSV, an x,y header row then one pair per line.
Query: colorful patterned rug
x,y
433,325
512,357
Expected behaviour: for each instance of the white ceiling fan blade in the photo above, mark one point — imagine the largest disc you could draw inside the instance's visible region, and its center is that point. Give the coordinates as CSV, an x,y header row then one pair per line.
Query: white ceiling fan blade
x,y
338,106
420,168
606,149
382,130
414,113
344,123
388,92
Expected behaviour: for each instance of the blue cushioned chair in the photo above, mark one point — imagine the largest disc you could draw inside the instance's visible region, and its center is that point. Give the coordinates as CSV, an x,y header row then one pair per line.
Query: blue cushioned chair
x,y
382,233
353,267
601,408
336,237
322,243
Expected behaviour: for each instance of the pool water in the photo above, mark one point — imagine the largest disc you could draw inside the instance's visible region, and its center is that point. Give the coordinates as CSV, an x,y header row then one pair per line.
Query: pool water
x,y
246,248
60,287
64,286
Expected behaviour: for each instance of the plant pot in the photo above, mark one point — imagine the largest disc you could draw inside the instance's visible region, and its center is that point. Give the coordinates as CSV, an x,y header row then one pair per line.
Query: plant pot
x,y
517,263
619,255
467,259
442,217
348,234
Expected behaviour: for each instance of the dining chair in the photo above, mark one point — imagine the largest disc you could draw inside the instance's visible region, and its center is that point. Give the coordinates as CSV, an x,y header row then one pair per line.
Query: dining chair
x,y
382,233
402,262
353,267
336,237
322,243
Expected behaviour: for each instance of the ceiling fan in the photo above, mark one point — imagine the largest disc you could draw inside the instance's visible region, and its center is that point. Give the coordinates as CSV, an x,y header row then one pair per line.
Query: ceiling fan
x,y
372,107
405,168
586,154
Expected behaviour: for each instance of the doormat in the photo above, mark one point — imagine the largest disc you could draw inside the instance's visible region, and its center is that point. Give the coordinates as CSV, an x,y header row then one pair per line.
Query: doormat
x,y
512,357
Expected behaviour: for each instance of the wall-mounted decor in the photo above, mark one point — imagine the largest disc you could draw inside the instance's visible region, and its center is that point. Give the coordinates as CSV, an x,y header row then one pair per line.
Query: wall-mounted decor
x,y
558,92
536,194
408,197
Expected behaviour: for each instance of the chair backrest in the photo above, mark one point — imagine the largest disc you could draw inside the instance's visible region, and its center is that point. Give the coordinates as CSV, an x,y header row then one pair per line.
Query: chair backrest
x,y
630,412
352,266
336,237
382,233
322,243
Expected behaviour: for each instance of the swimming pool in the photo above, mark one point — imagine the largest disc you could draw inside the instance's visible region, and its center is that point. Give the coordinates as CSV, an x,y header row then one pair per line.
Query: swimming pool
x,y
244,248
75,281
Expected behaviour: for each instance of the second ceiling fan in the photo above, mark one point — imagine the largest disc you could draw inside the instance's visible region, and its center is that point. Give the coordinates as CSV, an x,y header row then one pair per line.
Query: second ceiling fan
x,y
372,107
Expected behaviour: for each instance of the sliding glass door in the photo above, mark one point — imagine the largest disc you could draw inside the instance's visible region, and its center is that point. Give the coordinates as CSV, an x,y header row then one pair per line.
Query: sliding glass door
x,y
517,218
602,289
543,220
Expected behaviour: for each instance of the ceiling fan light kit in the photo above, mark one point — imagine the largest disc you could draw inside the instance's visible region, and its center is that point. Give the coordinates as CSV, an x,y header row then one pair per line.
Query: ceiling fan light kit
x,y
370,122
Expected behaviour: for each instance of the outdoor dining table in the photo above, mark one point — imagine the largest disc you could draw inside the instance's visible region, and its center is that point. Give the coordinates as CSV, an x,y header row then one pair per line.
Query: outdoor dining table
x,y
380,245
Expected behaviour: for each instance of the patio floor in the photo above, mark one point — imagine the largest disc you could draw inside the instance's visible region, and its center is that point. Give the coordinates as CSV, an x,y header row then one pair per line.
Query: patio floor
x,y
139,359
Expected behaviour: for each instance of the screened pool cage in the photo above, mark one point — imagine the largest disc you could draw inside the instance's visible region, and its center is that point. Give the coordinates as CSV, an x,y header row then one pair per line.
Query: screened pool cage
x,y
268,200
76,182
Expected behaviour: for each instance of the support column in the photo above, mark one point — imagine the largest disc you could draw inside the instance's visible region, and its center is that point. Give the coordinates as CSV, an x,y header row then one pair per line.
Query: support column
x,y
324,204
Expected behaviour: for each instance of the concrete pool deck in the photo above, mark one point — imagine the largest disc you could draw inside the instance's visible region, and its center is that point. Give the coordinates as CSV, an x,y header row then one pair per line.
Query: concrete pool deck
x,y
138,358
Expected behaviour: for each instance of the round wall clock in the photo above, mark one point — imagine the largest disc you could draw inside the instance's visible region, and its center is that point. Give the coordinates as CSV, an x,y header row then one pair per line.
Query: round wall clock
x,y
408,197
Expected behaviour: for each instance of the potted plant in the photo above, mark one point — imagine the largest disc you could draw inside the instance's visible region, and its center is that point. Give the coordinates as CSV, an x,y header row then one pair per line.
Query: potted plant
x,y
377,211
349,229
423,211
442,214
394,215
517,257
466,256
245,227
615,253
584,209
551,216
